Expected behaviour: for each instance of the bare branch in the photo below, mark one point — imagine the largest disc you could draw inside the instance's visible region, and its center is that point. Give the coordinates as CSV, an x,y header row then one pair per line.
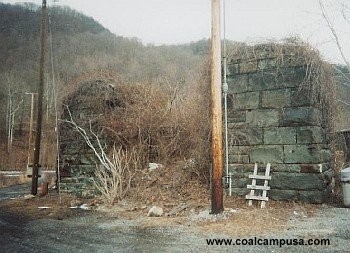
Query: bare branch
x,y
344,11
334,33
99,156
17,108
113,174
342,74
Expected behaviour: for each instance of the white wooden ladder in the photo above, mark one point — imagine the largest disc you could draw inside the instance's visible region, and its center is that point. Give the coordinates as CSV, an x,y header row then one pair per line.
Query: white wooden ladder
x,y
264,188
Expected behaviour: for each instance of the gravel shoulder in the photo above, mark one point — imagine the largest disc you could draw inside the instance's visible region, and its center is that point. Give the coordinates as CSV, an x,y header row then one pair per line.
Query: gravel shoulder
x,y
124,228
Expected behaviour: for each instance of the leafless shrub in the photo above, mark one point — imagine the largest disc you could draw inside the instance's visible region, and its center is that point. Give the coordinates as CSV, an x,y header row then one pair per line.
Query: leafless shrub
x,y
113,181
114,171
195,110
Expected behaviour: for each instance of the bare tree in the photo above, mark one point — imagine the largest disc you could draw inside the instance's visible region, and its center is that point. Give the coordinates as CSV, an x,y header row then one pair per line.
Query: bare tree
x,y
344,10
12,108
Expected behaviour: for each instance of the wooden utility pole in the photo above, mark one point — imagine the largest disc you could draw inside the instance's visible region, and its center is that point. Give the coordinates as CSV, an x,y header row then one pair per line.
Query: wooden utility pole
x,y
31,126
36,159
216,111
9,119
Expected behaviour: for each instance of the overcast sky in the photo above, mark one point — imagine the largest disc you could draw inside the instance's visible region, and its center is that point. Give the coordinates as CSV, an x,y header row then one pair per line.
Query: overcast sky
x,y
180,21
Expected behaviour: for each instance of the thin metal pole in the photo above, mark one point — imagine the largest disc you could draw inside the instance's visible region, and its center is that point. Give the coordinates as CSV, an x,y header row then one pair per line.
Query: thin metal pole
x,y
55,91
230,184
216,111
31,125
225,90
36,159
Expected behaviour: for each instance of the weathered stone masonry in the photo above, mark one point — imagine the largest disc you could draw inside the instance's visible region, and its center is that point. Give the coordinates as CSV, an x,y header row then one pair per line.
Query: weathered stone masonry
x,y
78,161
272,118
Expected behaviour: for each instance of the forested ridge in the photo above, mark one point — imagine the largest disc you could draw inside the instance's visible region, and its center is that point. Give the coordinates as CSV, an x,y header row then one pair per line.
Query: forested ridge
x,y
79,45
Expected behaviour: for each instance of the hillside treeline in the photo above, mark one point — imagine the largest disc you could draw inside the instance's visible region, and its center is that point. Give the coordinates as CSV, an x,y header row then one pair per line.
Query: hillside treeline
x,y
76,45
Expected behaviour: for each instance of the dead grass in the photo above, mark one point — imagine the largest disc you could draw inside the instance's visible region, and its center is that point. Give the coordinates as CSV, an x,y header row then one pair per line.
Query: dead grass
x,y
167,188
8,181
170,187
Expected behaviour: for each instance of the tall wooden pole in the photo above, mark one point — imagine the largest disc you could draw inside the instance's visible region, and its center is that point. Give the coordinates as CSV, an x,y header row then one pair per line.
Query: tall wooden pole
x,y
216,111
36,159
31,126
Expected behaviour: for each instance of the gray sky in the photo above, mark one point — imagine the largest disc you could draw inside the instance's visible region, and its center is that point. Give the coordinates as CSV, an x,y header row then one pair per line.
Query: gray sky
x,y
180,21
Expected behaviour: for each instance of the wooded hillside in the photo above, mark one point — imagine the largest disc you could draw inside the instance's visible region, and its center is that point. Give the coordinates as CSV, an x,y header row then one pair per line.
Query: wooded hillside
x,y
80,45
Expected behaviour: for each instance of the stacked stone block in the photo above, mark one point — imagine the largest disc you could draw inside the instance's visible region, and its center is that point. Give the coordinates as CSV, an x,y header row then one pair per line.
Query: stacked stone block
x,y
77,160
272,118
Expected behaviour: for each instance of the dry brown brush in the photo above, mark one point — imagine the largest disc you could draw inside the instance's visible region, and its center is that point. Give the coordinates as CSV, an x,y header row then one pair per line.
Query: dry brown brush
x,y
130,125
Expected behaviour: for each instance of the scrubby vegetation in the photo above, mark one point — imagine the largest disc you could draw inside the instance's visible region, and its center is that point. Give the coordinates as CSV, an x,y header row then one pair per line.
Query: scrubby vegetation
x,y
164,77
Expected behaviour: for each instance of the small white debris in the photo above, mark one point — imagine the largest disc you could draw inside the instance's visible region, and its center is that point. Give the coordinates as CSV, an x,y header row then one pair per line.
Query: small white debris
x,y
154,166
155,211
54,187
43,207
230,210
84,207
76,202
320,167
29,196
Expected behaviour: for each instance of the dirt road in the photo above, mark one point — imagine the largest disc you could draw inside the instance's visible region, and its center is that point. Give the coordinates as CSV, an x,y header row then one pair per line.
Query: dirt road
x,y
94,231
